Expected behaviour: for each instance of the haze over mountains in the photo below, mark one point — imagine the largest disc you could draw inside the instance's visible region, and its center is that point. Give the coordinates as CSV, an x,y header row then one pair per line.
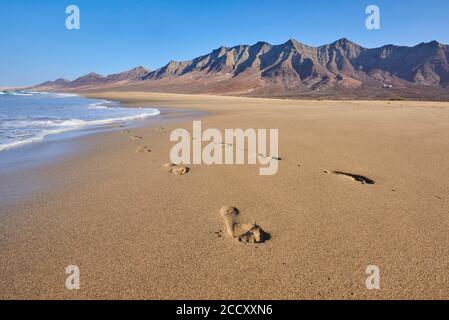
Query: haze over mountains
x,y
342,69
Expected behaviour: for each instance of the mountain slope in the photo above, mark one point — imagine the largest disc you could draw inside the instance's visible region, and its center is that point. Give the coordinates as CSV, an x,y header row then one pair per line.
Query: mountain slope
x,y
340,69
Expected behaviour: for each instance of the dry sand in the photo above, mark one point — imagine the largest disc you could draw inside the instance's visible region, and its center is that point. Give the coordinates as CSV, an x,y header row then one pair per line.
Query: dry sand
x,y
137,231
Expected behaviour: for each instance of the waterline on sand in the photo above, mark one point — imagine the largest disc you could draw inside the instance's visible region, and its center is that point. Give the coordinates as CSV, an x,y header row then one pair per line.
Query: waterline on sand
x,y
28,117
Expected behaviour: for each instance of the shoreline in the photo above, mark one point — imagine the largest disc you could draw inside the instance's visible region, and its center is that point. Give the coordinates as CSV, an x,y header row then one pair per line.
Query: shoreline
x,y
33,156
82,126
59,147
137,231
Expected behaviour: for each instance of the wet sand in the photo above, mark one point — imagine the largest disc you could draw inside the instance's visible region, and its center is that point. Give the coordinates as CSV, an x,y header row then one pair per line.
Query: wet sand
x,y
138,231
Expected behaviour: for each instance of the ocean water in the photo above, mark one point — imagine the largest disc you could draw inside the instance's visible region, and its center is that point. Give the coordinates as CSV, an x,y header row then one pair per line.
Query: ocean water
x,y
28,117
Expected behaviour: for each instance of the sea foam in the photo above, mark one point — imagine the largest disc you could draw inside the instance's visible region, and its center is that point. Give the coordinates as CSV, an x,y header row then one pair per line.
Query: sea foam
x,y
27,117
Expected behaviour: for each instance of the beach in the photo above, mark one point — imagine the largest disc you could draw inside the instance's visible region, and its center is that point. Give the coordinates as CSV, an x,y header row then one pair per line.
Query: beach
x,y
138,232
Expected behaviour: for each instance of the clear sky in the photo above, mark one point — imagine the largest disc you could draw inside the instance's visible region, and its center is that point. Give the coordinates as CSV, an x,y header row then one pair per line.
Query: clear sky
x,y
117,35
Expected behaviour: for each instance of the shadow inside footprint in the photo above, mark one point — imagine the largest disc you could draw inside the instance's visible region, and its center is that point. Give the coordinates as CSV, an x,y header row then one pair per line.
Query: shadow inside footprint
x,y
269,157
177,169
144,149
355,177
243,232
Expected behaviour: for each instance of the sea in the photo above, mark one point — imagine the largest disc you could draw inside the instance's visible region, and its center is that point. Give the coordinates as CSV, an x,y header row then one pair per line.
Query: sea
x,y
28,117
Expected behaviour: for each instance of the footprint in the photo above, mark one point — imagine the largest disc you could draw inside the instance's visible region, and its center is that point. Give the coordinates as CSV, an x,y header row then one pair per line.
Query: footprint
x,y
355,177
126,131
136,138
178,170
244,232
144,149
269,157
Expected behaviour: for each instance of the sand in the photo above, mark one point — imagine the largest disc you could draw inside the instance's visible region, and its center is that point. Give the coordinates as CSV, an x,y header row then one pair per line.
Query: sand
x,y
359,184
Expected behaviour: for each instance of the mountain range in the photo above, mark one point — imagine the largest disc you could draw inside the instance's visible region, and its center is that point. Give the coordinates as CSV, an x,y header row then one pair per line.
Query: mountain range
x,y
342,69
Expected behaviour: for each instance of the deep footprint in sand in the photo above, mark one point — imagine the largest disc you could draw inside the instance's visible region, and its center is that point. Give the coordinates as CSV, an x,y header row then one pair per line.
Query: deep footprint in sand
x,y
136,138
355,177
177,169
243,232
144,149
270,158
126,131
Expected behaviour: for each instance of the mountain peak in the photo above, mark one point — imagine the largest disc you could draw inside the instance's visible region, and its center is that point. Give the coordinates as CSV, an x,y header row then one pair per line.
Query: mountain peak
x,y
61,80
139,68
88,79
434,44
137,73
430,45
344,42
220,51
261,43
93,74
292,42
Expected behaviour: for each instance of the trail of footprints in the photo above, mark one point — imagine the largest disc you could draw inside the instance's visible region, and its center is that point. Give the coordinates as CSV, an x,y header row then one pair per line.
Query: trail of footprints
x,y
174,169
246,232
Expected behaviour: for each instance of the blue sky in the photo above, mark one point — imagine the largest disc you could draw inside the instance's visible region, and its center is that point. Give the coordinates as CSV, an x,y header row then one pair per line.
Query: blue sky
x,y
117,35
